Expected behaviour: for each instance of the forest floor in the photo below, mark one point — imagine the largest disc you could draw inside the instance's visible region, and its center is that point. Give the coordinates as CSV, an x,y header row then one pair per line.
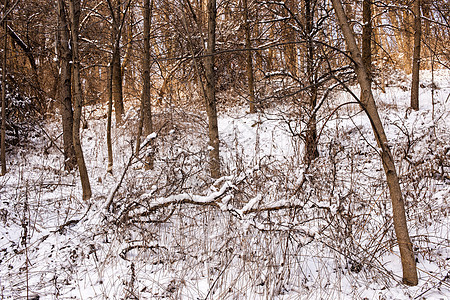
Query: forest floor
x,y
270,228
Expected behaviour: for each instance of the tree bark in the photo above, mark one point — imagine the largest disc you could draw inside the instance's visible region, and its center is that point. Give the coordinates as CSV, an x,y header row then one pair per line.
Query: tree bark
x,y
109,121
117,88
65,88
290,50
146,103
211,92
3,129
367,37
368,104
148,124
249,66
311,131
117,91
416,56
74,7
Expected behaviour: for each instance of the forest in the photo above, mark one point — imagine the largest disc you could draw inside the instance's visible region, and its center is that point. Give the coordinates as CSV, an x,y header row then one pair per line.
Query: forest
x,y
225,149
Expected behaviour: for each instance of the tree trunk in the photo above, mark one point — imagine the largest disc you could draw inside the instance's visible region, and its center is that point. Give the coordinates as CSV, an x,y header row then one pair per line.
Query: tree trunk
x,y
416,56
74,6
146,103
65,88
407,27
367,36
290,49
311,130
128,56
368,104
117,89
109,121
211,92
148,125
3,129
249,66
117,92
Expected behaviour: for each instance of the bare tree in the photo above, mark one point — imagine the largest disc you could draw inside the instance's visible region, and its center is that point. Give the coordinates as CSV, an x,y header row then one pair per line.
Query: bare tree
x,y
249,66
311,131
366,47
109,119
116,34
74,8
114,81
146,108
367,102
65,87
3,129
416,56
148,124
211,91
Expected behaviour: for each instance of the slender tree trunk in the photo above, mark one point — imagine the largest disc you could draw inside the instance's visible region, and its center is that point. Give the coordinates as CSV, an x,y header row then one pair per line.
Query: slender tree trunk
x,y
148,125
311,130
290,49
65,88
146,103
109,120
407,27
74,6
129,47
139,133
117,91
211,92
249,66
416,56
114,81
3,130
366,39
367,36
368,104
117,88
425,5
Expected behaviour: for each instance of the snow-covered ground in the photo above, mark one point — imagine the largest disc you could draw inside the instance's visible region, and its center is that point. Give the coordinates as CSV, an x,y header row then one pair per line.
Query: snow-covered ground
x,y
270,228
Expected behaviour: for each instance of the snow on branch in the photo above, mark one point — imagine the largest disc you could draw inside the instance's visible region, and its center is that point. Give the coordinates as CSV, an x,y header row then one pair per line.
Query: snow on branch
x,y
137,212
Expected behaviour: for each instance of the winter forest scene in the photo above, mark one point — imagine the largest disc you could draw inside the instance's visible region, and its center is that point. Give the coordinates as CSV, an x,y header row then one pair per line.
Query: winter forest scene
x,y
225,149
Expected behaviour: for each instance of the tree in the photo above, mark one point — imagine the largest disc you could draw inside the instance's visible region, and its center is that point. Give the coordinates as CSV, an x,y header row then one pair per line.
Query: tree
x,y
65,87
367,102
311,130
146,108
3,128
249,65
416,56
366,48
109,119
114,81
211,91
74,8
116,34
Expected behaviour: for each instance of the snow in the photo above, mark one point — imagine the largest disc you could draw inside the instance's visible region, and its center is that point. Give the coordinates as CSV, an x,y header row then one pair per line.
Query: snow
x,y
270,228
